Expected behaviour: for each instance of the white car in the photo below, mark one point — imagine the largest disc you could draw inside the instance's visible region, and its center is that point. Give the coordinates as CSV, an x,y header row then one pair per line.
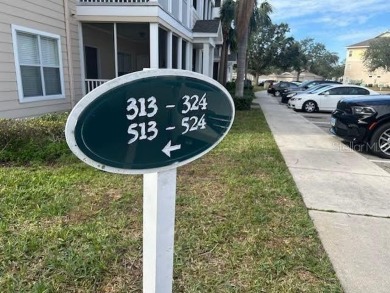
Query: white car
x,y
326,98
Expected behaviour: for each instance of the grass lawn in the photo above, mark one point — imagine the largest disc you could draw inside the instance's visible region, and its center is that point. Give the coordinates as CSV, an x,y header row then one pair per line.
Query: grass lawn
x,y
241,225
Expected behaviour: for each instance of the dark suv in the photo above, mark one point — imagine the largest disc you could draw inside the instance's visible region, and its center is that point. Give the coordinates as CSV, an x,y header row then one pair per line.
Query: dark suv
x,y
287,93
276,88
364,120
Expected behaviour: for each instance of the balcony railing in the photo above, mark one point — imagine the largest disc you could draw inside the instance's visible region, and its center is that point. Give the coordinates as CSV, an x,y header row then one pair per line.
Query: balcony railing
x,y
91,84
113,1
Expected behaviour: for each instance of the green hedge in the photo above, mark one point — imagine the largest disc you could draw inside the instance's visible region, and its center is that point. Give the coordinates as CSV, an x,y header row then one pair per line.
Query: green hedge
x,y
244,103
28,140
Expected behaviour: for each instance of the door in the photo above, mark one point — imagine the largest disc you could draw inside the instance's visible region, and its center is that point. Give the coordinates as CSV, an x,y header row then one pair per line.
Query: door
x,y
91,63
330,98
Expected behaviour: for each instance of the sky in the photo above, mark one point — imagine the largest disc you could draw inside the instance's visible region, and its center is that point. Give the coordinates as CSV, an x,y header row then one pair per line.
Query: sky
x,y
334,23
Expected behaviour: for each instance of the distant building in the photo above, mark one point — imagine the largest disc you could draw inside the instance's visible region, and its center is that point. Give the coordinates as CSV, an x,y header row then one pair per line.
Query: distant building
x,y
53,52
291,76
355,70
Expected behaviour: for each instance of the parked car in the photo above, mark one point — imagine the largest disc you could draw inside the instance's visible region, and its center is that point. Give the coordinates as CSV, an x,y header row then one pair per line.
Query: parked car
x,y
287,93
364,120
262,82
276,88
298,83
326,98
287,96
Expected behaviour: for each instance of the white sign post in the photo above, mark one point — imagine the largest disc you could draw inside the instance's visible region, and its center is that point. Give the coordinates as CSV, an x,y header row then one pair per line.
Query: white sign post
x,y
158,231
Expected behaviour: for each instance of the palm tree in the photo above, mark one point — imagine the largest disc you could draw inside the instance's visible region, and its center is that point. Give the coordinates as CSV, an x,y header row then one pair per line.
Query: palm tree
x,y
247,12
227,13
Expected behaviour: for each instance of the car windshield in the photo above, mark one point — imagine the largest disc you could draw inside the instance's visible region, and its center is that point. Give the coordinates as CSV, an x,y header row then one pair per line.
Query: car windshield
x,y
313,84
303,84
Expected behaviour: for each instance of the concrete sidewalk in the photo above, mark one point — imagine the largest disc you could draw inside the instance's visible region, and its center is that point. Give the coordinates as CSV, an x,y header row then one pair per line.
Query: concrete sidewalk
x,y
348,197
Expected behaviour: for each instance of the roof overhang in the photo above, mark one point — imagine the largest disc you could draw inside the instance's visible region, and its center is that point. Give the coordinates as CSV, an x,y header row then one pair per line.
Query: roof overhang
x,y
357,47
207,31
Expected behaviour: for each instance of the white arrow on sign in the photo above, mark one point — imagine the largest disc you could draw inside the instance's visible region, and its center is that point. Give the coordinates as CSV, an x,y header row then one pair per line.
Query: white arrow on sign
x,y
170,148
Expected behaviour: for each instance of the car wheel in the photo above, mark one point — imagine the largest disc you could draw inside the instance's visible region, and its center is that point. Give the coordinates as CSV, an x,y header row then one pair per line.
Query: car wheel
x,y
277,94
309,106
380,141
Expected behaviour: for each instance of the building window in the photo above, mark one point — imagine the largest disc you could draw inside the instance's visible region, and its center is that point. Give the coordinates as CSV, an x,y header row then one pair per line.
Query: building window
x,y
38,65
217,3
350,53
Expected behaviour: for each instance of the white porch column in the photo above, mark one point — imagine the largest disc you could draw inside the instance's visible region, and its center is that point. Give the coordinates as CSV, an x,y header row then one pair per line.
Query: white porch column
x,y
189,56
198,61
200,9
189,13
211,62
179,52
206,59
229,72
116,50
82,58
153,43
181,11
169,49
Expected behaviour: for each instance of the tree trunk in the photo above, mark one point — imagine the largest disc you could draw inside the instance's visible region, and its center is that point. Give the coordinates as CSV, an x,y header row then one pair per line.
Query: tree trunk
x,y
222,72
298,74
241,59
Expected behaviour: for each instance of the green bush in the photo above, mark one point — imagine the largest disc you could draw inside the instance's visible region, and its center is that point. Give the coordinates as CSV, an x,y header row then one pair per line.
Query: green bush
x,y
40,139
244,103
230,86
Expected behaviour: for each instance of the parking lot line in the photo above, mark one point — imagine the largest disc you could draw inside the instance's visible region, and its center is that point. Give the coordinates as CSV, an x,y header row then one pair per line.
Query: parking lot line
x,y
314,122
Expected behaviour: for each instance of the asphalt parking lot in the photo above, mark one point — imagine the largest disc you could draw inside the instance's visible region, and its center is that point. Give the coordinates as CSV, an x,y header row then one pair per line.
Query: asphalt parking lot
x,y
322,120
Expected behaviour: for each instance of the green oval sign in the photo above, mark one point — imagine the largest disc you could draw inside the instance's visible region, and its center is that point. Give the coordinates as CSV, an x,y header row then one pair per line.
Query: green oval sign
x,y
149,121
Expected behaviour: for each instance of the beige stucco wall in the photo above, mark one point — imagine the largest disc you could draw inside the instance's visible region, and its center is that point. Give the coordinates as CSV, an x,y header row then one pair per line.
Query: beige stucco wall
x,y
49,17
356,71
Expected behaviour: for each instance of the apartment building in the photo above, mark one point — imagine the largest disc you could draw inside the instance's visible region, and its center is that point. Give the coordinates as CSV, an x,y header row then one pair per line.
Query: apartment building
x,y
52,52
355,70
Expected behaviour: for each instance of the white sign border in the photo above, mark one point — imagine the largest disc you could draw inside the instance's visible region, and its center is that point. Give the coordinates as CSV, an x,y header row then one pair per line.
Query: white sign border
x,y
93,95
